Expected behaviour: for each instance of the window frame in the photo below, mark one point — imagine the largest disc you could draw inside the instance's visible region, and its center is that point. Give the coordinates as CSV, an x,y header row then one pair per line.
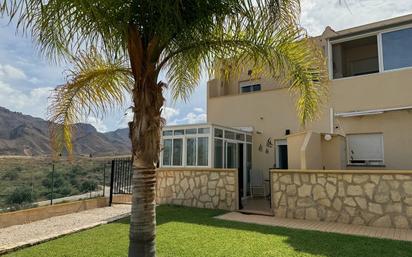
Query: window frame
x,y
378,35
348,161
252,84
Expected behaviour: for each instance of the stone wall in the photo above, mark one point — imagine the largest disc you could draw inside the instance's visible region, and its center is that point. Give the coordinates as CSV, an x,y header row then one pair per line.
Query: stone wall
x,y
202,188
373,198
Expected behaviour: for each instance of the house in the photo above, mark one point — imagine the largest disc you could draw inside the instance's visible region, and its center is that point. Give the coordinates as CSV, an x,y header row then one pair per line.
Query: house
x,y
366,122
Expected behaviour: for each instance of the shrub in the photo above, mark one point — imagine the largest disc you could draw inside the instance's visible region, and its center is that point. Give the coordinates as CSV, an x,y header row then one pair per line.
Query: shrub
x,y
88,185
11,175
21,195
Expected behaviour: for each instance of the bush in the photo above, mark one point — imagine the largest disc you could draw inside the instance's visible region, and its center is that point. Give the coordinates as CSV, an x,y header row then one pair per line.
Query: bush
x,y
88,185
21,195
11,175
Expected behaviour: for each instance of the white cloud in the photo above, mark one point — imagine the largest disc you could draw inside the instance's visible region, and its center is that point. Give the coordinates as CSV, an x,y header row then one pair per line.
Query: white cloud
x,y
9,72
317,14
168,113
33,102
96,122
198,109
194,117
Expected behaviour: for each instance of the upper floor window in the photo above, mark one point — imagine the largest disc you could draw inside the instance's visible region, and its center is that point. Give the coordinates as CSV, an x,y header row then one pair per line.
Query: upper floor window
x,y
249,86
383,51
396,48
356,57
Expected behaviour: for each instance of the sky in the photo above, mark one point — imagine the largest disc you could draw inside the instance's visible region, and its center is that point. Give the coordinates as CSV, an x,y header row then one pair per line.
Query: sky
x,y
26,78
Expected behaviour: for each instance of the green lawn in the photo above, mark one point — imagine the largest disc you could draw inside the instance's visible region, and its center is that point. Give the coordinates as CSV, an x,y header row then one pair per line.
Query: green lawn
x,y
195,233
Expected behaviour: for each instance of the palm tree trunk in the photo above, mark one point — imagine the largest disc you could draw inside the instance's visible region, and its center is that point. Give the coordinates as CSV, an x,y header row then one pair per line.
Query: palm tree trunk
x,y
145,137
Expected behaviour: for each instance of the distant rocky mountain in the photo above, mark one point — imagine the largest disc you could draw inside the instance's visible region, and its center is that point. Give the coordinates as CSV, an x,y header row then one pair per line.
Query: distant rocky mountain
x,y
26,135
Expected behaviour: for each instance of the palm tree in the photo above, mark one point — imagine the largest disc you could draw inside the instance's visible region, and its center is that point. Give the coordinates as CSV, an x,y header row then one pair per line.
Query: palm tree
x,y
118,48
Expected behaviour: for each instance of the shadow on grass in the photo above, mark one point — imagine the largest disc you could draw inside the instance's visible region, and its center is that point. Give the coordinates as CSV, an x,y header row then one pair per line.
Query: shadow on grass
x,y
312,242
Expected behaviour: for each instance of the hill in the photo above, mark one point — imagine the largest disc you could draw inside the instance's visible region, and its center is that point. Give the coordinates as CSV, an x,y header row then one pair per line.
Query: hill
x,y
26,135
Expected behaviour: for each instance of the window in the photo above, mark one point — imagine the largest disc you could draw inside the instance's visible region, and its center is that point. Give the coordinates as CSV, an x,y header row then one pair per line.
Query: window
x,y
229,134
218,153
240,137
218,132
191,152
202,151
167,152
191,131
365,149
396,48
179,132
203,130
177,151
250,88
248,138
355,57
168,133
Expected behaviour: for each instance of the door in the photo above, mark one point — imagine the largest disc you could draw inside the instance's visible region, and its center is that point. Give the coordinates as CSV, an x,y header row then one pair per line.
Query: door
x,y
240,174
281,154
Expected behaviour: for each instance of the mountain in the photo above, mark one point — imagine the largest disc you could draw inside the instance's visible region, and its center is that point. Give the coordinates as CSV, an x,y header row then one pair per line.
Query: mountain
x,y
26,135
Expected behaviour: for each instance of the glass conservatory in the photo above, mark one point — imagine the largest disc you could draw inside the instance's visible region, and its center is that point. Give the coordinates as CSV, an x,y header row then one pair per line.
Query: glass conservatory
x,y
207,146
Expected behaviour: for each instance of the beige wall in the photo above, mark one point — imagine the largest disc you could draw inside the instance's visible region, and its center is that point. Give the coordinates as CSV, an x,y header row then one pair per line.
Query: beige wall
x,y
39,213
295,142
334,153
272,112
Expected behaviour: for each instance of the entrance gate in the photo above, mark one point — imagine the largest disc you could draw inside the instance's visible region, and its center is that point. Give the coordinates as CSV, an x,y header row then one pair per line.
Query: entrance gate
x,y
121,181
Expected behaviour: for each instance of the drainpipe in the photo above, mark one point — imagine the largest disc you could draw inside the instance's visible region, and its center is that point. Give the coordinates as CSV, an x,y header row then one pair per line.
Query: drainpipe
x,y
331,120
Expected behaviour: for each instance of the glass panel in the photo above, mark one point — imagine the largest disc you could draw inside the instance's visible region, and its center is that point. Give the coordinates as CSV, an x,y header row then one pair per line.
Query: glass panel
x,y
231,155
191,131
248,165
248,138
246,89
218,132
355,57
168,133
256,87
167,152
397,51
191,152
240,137
203,130
202,151
218,153
177,151
179,132
229,134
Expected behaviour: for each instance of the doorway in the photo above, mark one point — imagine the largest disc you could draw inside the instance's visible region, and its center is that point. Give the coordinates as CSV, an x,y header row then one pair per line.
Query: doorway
x,y
281,154
240,174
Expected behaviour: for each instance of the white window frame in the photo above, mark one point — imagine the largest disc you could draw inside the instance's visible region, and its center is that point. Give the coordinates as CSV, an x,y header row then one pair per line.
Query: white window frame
x,y
378,35
248,84
366,164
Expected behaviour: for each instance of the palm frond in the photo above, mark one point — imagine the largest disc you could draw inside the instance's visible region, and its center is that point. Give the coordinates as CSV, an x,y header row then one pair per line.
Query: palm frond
x,y
267,40
95,86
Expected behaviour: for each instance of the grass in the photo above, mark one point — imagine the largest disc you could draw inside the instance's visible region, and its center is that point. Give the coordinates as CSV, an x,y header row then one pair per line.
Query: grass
x,y
189,232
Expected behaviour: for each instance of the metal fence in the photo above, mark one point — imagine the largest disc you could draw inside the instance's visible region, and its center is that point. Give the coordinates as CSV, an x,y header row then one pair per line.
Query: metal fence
x,y
121,180
38,181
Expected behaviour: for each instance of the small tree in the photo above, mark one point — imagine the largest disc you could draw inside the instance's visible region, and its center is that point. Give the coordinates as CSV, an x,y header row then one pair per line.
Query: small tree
x,y
20,196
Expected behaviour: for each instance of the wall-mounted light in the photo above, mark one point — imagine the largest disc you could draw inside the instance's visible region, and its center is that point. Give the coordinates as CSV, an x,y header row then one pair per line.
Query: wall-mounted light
x,y
287,132
328,137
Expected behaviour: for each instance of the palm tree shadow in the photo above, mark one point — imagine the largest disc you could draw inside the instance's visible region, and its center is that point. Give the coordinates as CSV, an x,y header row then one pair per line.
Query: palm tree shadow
x,y
311,242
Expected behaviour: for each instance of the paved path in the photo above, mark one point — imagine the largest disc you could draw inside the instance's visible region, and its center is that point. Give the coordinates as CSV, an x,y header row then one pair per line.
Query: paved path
x,y
43,230
387,233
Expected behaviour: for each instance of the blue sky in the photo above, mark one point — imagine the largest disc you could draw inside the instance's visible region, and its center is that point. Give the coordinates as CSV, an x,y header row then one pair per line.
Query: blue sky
x,y
26,78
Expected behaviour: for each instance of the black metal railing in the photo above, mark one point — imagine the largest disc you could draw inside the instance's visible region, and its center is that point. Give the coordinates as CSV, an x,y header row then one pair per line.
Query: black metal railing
x,y
121,177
